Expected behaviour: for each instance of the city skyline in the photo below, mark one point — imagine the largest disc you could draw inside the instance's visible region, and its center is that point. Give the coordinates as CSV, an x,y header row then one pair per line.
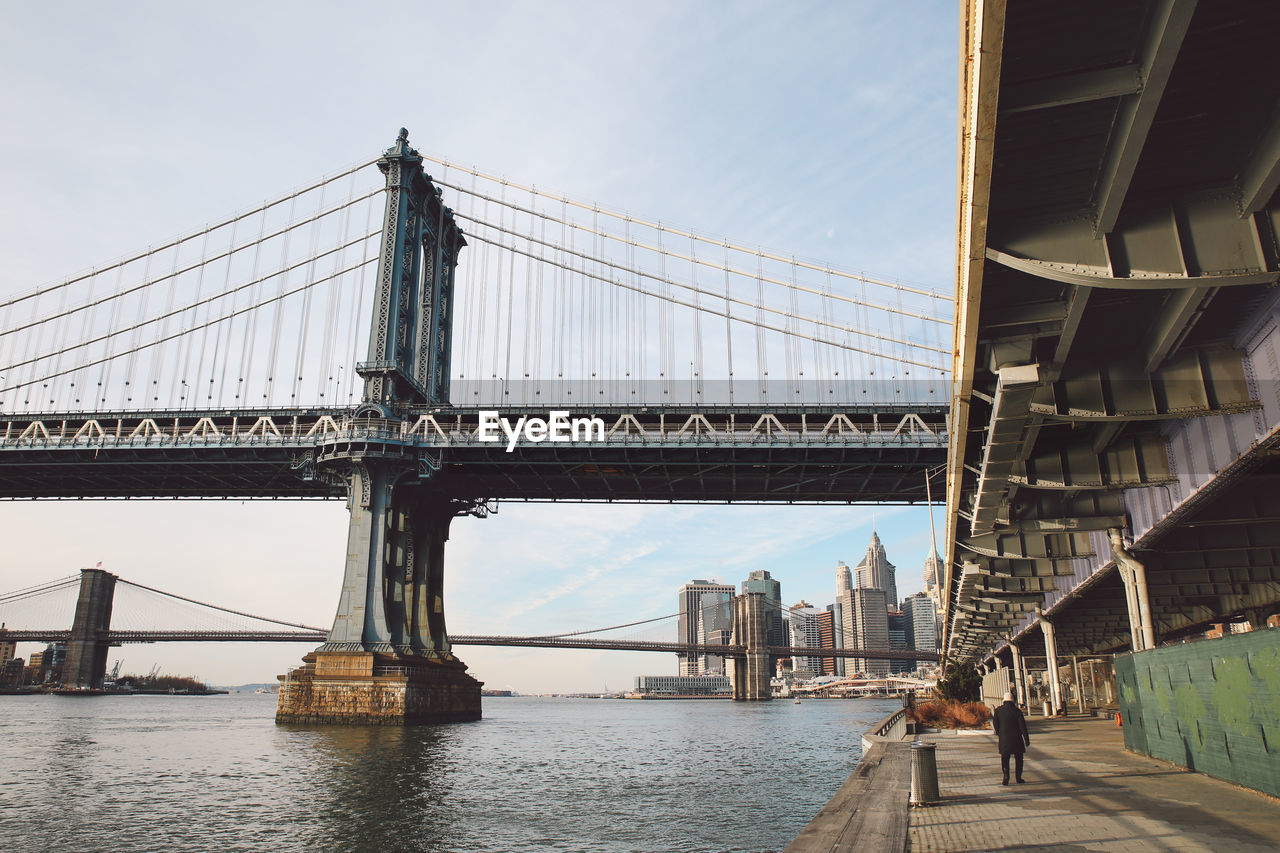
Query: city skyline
x,y
869,620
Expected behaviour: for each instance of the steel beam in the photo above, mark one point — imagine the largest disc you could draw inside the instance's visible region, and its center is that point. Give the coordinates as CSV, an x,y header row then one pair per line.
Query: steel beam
x,y
1194,383
1040,511
1142,460
1074,88
1181,309
1016,386
1169,22
1020,545
1197,241
1261,174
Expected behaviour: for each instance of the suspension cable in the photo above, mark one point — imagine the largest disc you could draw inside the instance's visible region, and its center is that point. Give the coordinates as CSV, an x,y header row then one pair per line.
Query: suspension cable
x,y
698,290
216,607
690,235
84,306
790,285
126,329
31,591
215,321
180,240
716,312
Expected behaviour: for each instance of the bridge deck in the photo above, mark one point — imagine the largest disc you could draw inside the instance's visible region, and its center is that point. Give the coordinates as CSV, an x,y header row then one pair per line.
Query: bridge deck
x,y
783,453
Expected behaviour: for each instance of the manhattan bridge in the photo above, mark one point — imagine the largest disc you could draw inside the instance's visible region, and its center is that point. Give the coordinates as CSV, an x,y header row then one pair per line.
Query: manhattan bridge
x,y
347,340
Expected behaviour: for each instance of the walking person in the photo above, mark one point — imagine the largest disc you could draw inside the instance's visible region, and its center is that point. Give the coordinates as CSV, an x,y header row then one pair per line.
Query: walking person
x,y
1011,732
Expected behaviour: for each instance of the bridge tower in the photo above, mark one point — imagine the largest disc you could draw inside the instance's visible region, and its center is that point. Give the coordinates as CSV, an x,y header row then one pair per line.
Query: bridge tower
x,y
750,673
388,659
86,663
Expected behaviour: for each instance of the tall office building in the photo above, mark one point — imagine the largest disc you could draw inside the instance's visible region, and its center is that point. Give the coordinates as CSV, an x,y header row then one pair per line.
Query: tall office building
x,y
898,640
844,578
835,613
922,622
827,640
706,616
876,572
932,585
775,628
804,631
866,625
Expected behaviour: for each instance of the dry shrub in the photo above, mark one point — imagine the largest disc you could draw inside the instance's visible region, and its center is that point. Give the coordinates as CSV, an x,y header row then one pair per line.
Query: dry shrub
x,y
945,714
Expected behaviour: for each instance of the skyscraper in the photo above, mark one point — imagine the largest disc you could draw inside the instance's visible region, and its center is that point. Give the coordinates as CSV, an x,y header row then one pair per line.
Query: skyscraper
x,y
805,632
932,587
844,578
898,640
761,581
922,623
844,587
876,572
827,633
835,613
705,617
867,627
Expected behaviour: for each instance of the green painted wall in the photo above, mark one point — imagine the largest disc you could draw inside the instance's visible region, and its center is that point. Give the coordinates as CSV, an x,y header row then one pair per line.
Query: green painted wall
x,y
1211,705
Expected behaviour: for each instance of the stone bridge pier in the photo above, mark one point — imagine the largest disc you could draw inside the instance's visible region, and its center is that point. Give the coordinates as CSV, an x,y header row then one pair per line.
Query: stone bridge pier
x,y
750,673
86,663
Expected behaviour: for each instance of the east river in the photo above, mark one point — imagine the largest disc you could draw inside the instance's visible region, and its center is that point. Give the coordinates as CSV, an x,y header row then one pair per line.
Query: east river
x,y
216,773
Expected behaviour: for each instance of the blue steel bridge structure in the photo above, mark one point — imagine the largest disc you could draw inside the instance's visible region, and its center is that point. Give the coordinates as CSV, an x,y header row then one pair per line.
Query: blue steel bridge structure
x,y
223,364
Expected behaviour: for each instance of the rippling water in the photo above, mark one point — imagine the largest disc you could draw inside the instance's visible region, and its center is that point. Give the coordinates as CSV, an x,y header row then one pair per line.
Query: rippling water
x,y
217,773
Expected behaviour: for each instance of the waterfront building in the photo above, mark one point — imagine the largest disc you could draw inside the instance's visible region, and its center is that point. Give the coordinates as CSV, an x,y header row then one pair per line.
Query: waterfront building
x,y
803,630
706,616
8,649
11,672
876,572
922,622
683,685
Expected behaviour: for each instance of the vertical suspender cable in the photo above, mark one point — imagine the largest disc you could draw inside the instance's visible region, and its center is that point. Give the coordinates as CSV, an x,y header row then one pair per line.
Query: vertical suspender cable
x,y
278,307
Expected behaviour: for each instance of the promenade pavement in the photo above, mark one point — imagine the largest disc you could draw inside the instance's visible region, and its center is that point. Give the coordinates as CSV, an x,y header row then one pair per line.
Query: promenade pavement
x,y
1084,792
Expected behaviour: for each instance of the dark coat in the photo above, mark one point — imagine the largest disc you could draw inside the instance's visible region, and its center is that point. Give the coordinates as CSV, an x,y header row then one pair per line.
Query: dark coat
x,y
1011,729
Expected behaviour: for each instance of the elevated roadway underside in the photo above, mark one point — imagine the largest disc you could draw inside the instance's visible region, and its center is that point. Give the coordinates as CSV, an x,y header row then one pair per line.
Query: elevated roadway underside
x,y
1117,349
782,454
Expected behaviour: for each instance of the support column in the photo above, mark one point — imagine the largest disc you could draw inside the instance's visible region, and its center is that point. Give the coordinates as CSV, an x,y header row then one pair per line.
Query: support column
x,y
749,674
1019,677
1075,672
1134,574
86,663
1051,663
387,659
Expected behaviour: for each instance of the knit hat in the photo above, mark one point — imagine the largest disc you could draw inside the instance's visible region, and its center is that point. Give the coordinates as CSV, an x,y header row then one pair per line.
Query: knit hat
x,y
1008,697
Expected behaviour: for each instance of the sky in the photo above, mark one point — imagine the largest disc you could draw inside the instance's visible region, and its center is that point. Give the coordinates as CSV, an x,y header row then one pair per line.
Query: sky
x,y
827,131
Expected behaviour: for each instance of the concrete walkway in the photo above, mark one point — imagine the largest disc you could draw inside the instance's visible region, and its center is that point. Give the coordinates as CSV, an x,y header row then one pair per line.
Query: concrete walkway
x,y
1084,792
